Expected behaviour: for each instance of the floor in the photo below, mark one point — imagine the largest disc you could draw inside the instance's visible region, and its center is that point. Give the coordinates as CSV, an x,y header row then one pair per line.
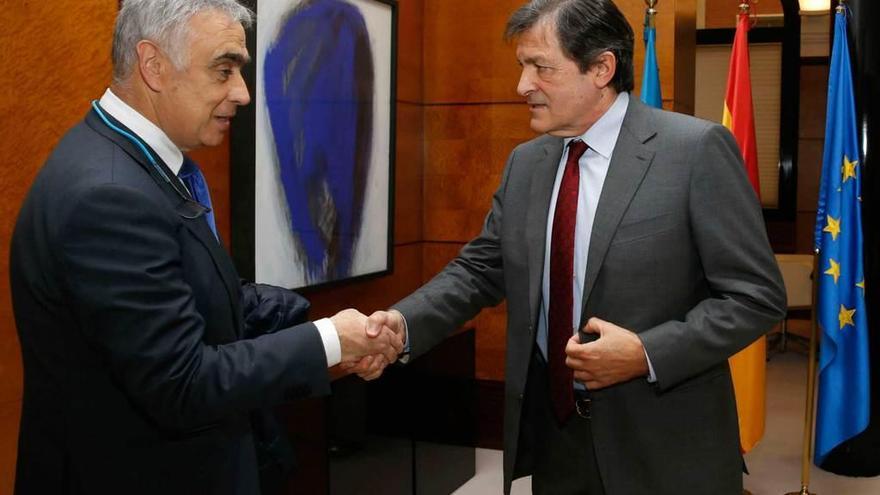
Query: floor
x,y
775,463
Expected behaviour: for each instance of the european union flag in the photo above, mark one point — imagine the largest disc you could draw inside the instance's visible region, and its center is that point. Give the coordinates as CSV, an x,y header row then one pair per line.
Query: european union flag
x,y
651,75
844,395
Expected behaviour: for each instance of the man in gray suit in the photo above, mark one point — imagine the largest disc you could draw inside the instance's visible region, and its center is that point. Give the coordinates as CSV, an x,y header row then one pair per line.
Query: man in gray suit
x,y
634,225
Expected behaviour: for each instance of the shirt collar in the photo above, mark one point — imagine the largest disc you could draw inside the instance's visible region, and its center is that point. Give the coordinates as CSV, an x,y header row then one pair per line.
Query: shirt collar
x,y
144,129
602,136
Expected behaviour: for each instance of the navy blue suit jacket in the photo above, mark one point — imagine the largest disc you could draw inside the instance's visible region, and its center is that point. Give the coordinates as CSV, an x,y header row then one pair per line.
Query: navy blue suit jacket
x,y
143,352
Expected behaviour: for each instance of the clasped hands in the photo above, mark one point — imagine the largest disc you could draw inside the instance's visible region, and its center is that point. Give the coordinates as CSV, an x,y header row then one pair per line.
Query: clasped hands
x,y
369,344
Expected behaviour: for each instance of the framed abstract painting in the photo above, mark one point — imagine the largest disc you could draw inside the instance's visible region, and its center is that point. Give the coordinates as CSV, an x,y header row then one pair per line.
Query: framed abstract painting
x,y
313,154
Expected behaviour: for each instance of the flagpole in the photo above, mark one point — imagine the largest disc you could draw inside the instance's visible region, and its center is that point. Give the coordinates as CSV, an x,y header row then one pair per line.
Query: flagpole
x,y
650,13
807,450
814,342
650,93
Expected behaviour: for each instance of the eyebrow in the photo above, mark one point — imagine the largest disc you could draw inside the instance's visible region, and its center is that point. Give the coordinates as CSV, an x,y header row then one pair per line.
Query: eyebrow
x,y
235,57
535,60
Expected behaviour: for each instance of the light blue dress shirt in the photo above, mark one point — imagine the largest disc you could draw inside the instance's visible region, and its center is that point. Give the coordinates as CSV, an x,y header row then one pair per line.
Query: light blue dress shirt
x,y
601,138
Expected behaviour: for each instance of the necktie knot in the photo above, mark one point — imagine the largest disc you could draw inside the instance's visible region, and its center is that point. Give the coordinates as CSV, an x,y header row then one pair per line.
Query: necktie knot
x,y
187,169
576,149
195,182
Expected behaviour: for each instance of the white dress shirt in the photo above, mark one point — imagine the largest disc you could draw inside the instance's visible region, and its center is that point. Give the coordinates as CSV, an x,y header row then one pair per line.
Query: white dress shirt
x,y
171,155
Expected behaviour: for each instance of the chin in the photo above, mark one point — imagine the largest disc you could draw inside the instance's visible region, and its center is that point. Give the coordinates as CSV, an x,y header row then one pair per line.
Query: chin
x,y
539,127
212,140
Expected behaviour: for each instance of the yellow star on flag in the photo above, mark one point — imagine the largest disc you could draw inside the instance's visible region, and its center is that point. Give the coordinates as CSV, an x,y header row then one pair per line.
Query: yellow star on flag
x,y
849,168
845,317
833,270
861,285
832,227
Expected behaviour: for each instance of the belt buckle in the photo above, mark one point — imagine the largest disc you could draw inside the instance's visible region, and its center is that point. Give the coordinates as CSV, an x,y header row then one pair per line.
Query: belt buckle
x,y
582,406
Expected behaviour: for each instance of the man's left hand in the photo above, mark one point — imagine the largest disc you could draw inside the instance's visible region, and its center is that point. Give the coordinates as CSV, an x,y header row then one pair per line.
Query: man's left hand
x,y
616,356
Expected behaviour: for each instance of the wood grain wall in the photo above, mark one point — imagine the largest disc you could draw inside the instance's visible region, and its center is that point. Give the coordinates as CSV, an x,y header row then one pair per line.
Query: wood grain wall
x,y
56,58
723,13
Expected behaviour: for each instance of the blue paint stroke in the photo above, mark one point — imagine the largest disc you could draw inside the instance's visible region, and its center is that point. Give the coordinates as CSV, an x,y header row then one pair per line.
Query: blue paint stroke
x,y
319,84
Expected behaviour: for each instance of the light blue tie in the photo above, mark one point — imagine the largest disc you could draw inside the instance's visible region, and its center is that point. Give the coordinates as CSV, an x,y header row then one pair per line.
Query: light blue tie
x,y
192,178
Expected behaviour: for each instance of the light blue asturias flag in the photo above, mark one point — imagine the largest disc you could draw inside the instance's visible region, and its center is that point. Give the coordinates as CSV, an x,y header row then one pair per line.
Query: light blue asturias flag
x,y
843,407
651,75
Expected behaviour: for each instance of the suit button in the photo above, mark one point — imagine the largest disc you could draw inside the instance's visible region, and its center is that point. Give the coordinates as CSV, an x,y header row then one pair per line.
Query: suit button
x,y
520,397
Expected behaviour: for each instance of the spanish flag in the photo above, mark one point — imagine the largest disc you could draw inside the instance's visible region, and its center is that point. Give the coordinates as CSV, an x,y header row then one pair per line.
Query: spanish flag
x,y
748,367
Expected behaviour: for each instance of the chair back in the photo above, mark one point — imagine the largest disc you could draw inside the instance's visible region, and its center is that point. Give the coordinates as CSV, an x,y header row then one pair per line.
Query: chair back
x,y
797,271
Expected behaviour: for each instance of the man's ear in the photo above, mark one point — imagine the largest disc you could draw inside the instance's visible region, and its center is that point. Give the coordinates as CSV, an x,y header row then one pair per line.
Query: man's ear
x,y
151,64
604,67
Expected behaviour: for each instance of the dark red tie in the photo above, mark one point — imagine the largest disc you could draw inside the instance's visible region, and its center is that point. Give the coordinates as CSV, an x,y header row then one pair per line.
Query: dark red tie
x,y
561,325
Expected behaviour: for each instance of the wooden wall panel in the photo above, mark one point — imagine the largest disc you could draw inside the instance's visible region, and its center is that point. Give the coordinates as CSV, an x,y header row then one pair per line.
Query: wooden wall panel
x,y
811,135
676,41
409,173
491,338
684,46
466,148
56,58
722,13
9,415
466,58
410,50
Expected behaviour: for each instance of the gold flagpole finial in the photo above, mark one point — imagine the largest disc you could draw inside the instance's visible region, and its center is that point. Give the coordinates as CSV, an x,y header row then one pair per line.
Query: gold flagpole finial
x,y
744,7
841,6
650,12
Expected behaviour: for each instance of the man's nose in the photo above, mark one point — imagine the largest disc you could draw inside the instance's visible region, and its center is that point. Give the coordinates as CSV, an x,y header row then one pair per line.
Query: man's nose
x,y
525,85
239,93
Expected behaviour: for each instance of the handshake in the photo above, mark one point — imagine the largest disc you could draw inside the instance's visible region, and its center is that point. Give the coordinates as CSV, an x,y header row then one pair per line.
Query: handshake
x,y
369,344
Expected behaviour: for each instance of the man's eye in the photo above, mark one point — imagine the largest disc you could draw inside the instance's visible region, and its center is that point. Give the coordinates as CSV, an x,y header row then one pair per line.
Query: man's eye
x,y
225,73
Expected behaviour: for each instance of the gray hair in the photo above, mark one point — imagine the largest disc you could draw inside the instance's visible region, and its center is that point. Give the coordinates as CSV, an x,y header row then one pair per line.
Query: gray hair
x,y
165,22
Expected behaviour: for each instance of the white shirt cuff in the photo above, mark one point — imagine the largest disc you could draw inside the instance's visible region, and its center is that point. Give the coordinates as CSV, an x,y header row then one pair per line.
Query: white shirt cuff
x,y
332,348
652,378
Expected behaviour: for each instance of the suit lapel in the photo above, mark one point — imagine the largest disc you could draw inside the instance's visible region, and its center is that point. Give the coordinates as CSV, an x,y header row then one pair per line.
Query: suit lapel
x,y
189,211
541,190
201,231
630,161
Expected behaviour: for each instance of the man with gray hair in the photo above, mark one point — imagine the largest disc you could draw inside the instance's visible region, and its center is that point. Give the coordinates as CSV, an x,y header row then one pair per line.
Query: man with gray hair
x,y
144,355
632,253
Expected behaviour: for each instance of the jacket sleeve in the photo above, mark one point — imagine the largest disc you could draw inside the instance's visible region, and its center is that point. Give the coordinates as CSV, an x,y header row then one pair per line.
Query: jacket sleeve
x,y
267,308
470,282
747,296
120,256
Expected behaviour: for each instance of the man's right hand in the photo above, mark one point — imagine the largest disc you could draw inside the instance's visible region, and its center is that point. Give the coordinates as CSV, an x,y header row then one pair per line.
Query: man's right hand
x,y
391,319
379,323
356,343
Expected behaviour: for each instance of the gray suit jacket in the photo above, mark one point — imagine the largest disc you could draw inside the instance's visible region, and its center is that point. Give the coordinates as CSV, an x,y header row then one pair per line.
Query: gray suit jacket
x,y
678,254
